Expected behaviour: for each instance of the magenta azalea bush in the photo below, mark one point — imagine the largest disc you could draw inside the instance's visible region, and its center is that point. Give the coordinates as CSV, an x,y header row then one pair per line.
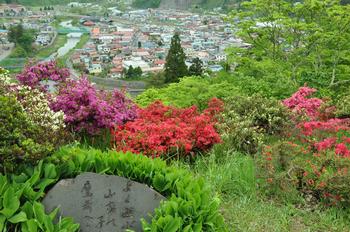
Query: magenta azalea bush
x,y
301,103
88,110
33,75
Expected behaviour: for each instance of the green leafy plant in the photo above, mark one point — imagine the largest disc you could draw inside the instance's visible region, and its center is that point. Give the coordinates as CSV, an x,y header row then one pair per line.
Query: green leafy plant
x,y
343,107
19,137
190,205
20,207
188,92
247,120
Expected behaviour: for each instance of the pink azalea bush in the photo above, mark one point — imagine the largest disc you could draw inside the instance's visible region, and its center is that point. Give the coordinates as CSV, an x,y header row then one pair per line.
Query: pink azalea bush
x,y
315,157
300,102
89,110
32,75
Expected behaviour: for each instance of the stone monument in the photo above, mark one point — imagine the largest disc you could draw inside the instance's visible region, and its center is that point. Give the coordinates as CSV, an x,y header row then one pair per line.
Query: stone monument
x,y
102,203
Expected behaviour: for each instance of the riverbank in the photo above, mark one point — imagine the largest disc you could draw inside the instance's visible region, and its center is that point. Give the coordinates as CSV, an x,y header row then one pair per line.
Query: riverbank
x,y
60,41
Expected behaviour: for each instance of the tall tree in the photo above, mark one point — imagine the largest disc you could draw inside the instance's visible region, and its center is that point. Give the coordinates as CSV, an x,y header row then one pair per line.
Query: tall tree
x,y
21,37
196,69
306,41
15,33
175,66
130,73
137,72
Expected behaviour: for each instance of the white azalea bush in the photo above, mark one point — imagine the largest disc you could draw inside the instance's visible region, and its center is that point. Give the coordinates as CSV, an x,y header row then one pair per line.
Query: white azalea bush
x,y
36,105
4,80
29,129
247,120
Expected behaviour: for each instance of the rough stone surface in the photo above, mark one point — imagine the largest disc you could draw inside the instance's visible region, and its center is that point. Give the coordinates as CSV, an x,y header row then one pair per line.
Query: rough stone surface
x,y
102,203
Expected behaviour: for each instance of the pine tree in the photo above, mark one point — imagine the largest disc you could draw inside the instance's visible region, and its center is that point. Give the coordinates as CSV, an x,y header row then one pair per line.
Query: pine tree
x,y
137,72
196,69
175,66
130,73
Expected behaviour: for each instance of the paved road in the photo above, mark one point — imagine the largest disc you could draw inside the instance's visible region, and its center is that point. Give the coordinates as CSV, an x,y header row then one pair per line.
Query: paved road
x,y
5,53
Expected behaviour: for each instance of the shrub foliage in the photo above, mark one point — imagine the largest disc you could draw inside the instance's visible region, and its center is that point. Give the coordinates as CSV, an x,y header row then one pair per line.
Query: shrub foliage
x,y
190,205
88,110
247,120
315,156
165,130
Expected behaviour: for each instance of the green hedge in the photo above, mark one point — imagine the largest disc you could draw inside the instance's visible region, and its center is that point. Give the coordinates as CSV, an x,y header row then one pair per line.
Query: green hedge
x,y
190,205
189,91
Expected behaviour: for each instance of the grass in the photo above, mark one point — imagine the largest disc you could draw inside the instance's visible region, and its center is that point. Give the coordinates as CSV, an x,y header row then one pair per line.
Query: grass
x,y
83,40
45,52
246,207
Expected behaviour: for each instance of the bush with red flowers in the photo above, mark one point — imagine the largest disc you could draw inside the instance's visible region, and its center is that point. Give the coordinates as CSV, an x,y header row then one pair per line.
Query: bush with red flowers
x,y
315,157
164,131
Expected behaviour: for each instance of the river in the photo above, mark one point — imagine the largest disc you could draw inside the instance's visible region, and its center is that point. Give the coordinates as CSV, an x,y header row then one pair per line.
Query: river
x,y
72,40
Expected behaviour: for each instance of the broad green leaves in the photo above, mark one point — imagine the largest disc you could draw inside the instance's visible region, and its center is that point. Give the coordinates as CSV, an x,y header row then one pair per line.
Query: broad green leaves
x,y
189,207
29,188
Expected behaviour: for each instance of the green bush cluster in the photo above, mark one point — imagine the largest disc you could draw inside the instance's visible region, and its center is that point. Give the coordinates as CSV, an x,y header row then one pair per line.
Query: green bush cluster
x,y
20,139
343,107
190,205
189,91
247,120
267,86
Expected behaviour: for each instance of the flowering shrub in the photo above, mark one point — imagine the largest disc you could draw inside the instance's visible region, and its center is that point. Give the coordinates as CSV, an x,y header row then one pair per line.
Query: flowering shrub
x,y
343,107
4,76
36,105
165,130
88,110
26,117
247,120
300,103
32,75
315,158
20,139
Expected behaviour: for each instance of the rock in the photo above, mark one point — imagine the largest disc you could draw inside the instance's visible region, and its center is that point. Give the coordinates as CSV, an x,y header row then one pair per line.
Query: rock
x,y
102,203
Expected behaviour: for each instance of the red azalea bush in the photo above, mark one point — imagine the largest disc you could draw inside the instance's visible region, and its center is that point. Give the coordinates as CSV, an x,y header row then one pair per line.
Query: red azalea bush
x,y
165,130
316,157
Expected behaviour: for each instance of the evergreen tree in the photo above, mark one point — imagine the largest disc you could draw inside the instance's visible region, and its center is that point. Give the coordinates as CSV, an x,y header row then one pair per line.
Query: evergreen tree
x,y
137,72
196,69
130,72
175,66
